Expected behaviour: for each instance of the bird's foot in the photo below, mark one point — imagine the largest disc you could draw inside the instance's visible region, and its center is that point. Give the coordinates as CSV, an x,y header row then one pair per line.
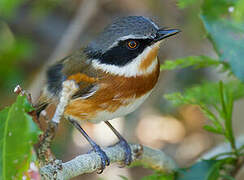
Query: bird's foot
x,y
128,155
104,158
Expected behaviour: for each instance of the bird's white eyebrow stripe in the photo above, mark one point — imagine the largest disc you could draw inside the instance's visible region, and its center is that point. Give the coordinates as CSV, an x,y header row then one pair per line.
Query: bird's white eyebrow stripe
x,y
131,37
153,23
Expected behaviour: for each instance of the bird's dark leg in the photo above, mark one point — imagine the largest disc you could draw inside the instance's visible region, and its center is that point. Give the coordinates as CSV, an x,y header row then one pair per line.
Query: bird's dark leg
x,y
104,158
123,143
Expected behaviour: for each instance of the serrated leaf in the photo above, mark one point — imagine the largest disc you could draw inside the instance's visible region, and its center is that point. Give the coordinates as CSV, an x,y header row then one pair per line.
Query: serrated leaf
x,y
206,93
190,61
204,170
17,135
213,129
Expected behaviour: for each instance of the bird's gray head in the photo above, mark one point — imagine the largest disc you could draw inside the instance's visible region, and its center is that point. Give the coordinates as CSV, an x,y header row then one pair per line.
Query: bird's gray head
x,y
126,38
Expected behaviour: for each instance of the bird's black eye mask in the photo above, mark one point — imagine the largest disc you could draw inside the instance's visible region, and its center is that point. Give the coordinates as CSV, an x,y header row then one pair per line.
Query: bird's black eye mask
x,y
121,54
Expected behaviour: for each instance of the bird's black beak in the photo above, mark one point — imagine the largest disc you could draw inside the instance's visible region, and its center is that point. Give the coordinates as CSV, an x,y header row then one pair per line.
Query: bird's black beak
x,y
164,33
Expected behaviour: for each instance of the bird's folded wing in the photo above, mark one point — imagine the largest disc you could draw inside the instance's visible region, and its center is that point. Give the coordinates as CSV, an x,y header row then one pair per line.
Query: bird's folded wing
x,y
75,67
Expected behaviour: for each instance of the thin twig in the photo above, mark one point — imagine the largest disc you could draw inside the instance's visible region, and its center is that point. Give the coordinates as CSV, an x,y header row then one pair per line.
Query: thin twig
x,y
223,148
18,90
239,164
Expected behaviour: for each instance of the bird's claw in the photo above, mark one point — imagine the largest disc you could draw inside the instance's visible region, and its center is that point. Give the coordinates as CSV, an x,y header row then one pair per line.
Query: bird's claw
x,y
104,158
128,155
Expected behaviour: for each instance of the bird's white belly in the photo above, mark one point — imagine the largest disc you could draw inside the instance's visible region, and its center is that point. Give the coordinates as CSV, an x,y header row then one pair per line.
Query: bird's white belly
x,y
133,104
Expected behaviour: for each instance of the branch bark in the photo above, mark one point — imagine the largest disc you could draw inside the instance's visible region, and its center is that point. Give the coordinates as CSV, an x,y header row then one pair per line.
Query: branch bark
x,y
88,163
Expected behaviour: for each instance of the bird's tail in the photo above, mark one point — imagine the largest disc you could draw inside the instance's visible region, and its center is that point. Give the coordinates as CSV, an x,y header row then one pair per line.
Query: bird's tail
x,y
41,104
40,107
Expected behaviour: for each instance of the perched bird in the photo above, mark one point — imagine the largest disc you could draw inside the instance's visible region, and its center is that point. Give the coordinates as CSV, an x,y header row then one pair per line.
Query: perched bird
x,y
115,73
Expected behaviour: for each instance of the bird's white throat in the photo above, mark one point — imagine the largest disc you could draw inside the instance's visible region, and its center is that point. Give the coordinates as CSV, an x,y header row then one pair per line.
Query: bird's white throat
x,y
131,69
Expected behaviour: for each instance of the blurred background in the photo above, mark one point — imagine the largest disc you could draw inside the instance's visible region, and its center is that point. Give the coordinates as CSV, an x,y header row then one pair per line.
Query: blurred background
x,y
35,34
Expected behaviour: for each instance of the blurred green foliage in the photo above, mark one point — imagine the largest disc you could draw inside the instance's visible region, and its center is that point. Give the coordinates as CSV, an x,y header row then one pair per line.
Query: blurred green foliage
x,y
225,27
192,61
16,49
13,50
184,3
18,133
41,9
224,24
158,176
238,12
227,37
204,170
207,93
8,7
211,98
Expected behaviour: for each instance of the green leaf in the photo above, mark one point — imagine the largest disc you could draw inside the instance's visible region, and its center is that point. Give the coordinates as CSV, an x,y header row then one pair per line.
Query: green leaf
x,y
226,33
227,107
216,9
238,11
158,176
220,155
213,129
227,38
195,61
17,135
207,93
204,170
213,118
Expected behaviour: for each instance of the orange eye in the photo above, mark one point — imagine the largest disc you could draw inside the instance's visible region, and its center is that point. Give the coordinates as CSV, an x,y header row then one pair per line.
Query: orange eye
x,y
132,44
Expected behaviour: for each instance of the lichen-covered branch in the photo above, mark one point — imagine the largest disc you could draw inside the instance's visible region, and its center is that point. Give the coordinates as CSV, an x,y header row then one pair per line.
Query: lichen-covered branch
x,y
88,163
